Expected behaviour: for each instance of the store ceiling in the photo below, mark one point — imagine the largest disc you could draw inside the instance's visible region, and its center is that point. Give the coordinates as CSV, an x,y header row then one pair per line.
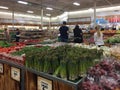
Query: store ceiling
x,y
59,6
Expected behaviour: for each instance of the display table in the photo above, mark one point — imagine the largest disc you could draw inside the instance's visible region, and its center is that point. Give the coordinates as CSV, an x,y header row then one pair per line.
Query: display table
x,y
18,77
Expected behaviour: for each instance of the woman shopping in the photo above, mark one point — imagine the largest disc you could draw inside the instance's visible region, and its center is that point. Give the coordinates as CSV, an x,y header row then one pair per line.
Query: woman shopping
x,y
78,35
98,36
17,35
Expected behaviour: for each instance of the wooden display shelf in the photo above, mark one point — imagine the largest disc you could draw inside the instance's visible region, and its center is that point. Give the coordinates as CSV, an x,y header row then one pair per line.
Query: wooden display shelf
x,y
1,33
2,38
29,34
28,79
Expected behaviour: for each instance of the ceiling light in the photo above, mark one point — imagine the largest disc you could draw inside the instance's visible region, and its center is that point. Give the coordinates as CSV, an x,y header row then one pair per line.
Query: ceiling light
x,y
48,14
22,2
90,9
76,4
30,11
48,8
3,7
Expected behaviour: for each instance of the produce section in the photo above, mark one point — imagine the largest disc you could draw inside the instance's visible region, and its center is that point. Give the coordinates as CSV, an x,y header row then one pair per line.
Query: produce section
x,y
65,61
86,65
106,32
110,37
2,36
28,36
113,40
5,44
29,49
115,51
5,52
40,48
103,76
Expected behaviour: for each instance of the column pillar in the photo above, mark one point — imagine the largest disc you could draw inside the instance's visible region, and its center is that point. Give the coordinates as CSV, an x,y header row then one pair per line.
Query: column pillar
x,y
50,23
94,13
13,17
42,18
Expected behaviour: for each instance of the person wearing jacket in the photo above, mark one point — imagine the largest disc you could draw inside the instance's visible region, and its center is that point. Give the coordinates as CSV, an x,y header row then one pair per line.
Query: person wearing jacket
x,y
78,34
64,32
17,35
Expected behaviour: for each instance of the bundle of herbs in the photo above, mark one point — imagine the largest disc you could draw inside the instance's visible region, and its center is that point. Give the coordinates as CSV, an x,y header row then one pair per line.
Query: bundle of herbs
x,y
67,62
29,49
5,44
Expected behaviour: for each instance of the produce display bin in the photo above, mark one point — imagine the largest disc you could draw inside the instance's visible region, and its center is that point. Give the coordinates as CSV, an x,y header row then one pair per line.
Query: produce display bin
x,y
29,79
7,82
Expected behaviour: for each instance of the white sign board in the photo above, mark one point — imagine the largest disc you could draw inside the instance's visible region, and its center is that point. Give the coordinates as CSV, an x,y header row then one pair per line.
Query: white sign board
x,y
1,68
15,73
44,84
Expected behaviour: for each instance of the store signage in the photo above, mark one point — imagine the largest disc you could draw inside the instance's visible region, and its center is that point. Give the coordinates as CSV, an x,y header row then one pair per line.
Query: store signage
x,y
15,73
111,18
82,19
44,84
1,68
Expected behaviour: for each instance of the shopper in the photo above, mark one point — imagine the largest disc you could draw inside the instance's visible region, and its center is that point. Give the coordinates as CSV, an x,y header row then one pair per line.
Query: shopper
x,y
78,34
17,35
98,37
6,33
64,32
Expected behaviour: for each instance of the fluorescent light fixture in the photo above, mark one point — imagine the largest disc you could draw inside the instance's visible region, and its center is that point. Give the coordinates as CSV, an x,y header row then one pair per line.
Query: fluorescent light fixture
x,y
90,9
48,8
3,7
48,14
30,11
23,2
5,13
108,8
76,4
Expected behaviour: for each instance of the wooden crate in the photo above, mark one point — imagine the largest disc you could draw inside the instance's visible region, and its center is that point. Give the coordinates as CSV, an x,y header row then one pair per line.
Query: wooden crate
x,y
28,79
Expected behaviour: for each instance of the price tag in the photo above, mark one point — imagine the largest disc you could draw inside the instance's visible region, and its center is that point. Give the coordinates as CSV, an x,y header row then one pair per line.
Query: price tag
x,y
1,68
15,73
44,84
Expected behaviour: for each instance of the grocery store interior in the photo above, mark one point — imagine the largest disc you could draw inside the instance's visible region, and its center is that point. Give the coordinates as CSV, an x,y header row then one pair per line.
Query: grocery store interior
x,y
59,44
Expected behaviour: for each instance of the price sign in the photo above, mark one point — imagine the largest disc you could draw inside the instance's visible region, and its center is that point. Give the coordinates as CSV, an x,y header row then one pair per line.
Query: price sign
x,y
15,73
1,68
44,84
